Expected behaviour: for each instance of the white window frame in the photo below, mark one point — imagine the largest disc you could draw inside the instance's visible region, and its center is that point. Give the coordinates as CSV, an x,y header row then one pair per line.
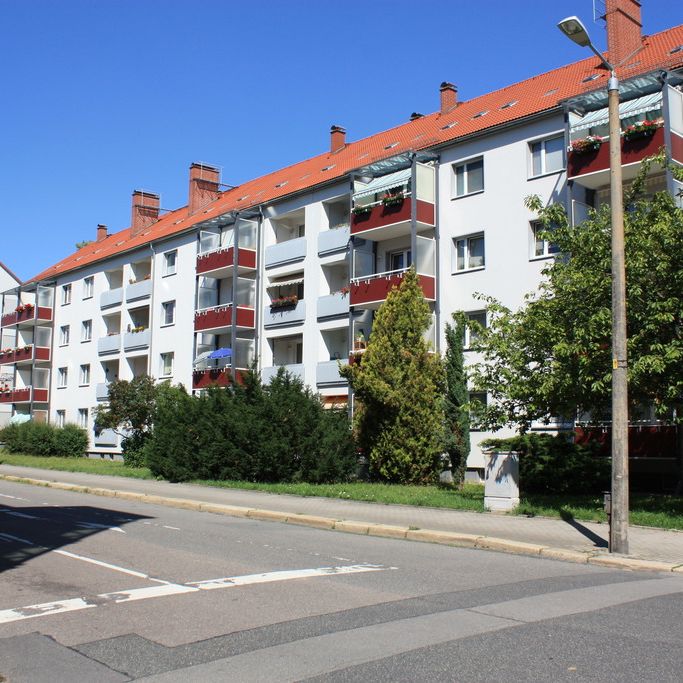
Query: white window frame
x,y
407,255
168,268
83,418
86,330
88,287
165,307
64,335
62,377
66,294
549,250
466,241
84,379
542,144
166,361
468,337
465,166
60,418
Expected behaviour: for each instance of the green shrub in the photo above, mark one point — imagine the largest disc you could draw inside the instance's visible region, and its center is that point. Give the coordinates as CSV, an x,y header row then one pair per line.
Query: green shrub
x,y
555,464
133,449
41,438
70,441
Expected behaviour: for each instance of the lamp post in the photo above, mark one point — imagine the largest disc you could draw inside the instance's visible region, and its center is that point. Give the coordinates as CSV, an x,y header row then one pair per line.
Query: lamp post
x,y
618,542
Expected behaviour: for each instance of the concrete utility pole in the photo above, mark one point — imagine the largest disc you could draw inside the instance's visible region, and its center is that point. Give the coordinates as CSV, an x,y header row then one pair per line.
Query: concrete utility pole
x,y
618,541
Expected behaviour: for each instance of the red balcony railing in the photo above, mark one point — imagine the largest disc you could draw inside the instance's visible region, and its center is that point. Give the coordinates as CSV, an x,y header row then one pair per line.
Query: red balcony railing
x,y
381,216
41,313
216,261
632,151
214,377
221,317
24,395
375,288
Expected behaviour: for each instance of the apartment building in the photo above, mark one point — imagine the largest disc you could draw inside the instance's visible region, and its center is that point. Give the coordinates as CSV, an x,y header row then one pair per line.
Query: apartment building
x,y
290,268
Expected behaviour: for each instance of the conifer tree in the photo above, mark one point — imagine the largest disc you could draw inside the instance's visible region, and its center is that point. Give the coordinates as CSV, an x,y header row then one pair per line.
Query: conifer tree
x,y
457,397
398,385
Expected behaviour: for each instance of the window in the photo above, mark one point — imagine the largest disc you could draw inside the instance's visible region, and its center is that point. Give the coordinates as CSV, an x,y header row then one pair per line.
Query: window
x,y
62,377
547,156
469,252
88,285
400,260
170,258
86,331
64,333
470,335
66,294
468,177
168,312
83,417
166,364
478,401
85,375
61,418
540,244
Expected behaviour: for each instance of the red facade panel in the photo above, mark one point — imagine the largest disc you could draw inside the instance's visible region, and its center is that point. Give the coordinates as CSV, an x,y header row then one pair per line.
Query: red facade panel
x,y
381,216
222,317
377,289
223,258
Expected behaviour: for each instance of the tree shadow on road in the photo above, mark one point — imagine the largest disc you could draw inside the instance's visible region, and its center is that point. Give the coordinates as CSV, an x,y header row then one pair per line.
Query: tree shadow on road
x,y
29,532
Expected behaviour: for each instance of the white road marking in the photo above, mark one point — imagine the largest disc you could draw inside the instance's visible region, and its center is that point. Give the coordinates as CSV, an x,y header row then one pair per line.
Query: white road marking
x,y
268,577
175,528
4,495
117,597
9,537
107,565
23,515
95,525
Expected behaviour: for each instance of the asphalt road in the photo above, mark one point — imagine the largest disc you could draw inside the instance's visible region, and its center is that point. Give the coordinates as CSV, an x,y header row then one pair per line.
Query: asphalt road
x,y
111,590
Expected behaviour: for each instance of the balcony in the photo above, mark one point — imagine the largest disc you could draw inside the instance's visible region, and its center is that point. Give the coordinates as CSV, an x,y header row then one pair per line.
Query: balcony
x,y
109,344
285,252
218,319
382,222
327,373
132,341
112,297
335,240
24,395
219,263
27,315
24,355
102,391
297,370
372,291
591,168
333,305
107,437
138,290
219,377
284,315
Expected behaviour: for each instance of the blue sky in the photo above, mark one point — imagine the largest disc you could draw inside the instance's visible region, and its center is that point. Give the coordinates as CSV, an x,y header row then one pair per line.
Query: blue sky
x,y
101,97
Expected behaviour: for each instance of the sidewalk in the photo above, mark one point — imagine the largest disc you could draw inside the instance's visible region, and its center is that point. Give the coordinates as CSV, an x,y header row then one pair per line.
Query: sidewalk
x,y
575,541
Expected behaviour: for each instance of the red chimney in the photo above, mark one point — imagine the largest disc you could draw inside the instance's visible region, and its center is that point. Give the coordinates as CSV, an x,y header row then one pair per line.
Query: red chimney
x,y
624,29
144,212
204,185
449,97
101,232
337,139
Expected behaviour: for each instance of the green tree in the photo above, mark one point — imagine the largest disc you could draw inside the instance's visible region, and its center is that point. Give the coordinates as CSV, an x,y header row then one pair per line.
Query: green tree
x,y
553,355
457,439
398,387
129,412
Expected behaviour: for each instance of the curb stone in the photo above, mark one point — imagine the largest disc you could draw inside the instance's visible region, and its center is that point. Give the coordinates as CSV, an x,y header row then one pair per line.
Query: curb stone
x,y
371,529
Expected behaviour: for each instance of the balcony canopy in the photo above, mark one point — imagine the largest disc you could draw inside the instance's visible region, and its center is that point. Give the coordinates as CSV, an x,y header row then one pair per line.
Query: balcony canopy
x,y
640,105
383,183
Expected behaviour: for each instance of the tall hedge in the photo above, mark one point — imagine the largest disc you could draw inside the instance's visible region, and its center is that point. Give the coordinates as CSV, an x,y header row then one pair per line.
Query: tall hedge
x,y
42,438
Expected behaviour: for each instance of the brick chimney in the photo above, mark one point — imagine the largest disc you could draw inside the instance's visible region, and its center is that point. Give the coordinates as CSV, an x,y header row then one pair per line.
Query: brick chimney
x,y
337,139
449,97
144,211
204,185
101,232
624,29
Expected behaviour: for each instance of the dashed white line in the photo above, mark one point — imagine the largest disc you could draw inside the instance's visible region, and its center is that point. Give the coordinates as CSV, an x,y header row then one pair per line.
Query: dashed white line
x,y
23,515
174,528
4,495
95,525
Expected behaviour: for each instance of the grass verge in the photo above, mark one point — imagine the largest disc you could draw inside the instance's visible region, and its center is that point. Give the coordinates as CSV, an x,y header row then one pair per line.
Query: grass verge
x,y
660,510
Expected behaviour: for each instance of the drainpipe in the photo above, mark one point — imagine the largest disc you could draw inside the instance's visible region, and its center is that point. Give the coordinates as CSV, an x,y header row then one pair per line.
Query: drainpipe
x,y
350,255
260,263
235,270
437,262
151,310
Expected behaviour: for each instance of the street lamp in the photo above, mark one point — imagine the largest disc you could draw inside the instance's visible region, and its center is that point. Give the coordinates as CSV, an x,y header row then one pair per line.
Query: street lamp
x,y
618,542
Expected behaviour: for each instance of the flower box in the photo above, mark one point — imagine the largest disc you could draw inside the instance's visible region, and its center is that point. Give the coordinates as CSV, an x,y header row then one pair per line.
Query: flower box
x,y
642,129
586,145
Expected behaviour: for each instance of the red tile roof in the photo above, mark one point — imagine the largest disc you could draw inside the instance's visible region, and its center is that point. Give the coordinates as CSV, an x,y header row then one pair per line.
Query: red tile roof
x,y
532,96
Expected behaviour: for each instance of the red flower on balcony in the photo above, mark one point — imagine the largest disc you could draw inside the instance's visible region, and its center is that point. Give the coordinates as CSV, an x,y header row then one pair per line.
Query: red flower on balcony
x,y
284,302
642,128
